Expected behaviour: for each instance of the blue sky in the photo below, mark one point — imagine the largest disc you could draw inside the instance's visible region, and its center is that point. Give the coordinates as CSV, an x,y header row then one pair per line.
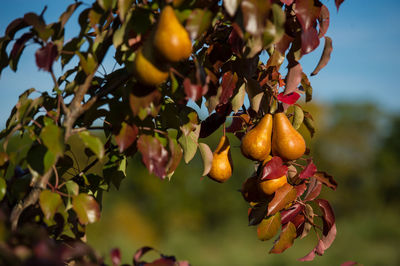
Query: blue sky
x,y
364,65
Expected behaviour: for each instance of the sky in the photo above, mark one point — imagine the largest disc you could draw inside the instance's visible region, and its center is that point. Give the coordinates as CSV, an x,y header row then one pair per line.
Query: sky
x,y
364,64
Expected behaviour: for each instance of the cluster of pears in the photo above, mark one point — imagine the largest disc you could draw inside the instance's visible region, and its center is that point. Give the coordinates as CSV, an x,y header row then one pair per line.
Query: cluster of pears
x,y
169,43
273,133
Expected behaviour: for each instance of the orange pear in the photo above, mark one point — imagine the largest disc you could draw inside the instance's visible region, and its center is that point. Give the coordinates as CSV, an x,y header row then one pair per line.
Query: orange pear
x,y
256,144
270,186
287,143
171,40
221,167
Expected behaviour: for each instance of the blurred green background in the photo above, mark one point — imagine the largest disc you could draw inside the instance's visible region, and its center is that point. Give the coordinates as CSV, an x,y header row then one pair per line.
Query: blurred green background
x,y
205,222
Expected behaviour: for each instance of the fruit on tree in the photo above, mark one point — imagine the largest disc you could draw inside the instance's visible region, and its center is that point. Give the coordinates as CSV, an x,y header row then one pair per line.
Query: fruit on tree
x,y
146,69
256,144
271,185
221,167
286,141
171,40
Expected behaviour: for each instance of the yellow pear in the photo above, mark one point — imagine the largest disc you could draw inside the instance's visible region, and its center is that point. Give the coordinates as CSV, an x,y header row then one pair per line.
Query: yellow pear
x,y
146,69
271,185
171,40
287,143
256,144
221,167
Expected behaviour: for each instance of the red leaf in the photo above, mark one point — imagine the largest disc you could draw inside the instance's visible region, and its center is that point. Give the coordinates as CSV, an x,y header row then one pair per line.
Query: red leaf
x,y
176,155
238,121
289,214
115,256
274,169
293,78
139,253
290,98
126,136
300,189
338,3
154,155
349,263
314,189
323,20
19,44
309,257
235,41
309,171
193,91
309,40
326,179
45,56
287,2
326,56
307,13
228,84
283,196
328,215
211,124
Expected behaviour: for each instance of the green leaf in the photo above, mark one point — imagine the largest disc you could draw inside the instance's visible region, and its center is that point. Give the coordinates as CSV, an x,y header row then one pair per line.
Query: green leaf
x,y
92,142
309,123
3,158
53,139
3,188
198,22
49,203
123,7
298,117
268,228
189,145
285,240
305,83
72,188
207,156
88,63
238,99
86,207
105,4
231,6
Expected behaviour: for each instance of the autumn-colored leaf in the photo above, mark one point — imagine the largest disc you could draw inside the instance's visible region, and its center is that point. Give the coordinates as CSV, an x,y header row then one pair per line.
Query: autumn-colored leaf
x,y
326,179
115,255
140,253
3,188
289,214
142,106
257,213
309,40
305,83
328,215
211,124
268,228
307,12
338,3
154,155
314,189
293,78
207,156
231,6
301,189
326,56
126,136
285,240
176,155
287,2
238,100
193,91
49,203
323,20
283,196
309,170
349,263
290,98
45,56
274,169
86,207
228,85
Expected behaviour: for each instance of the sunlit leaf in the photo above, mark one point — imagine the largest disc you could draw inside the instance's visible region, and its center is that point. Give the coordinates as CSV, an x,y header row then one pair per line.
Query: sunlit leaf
x,y
268,228
176,155
255,93
123,7
231,6
189,145
283,196
154,155
285,240
238,99
314,189
326,179
105,4
305,83
309,40
86,207
49,203
290,98
323,20
53,138
293,78
207,156
338,3
274,169
309,170
198,22
307,11
87,63
326,56
3,188
289,214
92,142
72,188
126,136
298,116
68,13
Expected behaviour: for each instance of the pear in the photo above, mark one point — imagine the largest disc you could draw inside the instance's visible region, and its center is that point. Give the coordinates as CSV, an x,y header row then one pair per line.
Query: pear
x,y
270,186
221,166
287,143
171,40
256,144
146,69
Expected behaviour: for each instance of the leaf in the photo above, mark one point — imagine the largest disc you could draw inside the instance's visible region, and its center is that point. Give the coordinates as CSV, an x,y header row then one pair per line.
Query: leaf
x,y
231,6
328,215
86,208
207,156
198,22
68,13
17,49
257,213
305,83
3,158
314,189
238,100
309,123
115,255
53,138
290,98
300,189
309,170
49,203
289,214
309,213
323,20
298,117
293,78
268,228
92,142
193,91
105,4
228,84
154,155
142,106
211,124
72,188
309,40
287,2
255,93
126,136
3,188
349,263
189,145
274,169
283,196
338,3
285,240
123,8
87,63
307,12
45,56
176,155
326,56
326,179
